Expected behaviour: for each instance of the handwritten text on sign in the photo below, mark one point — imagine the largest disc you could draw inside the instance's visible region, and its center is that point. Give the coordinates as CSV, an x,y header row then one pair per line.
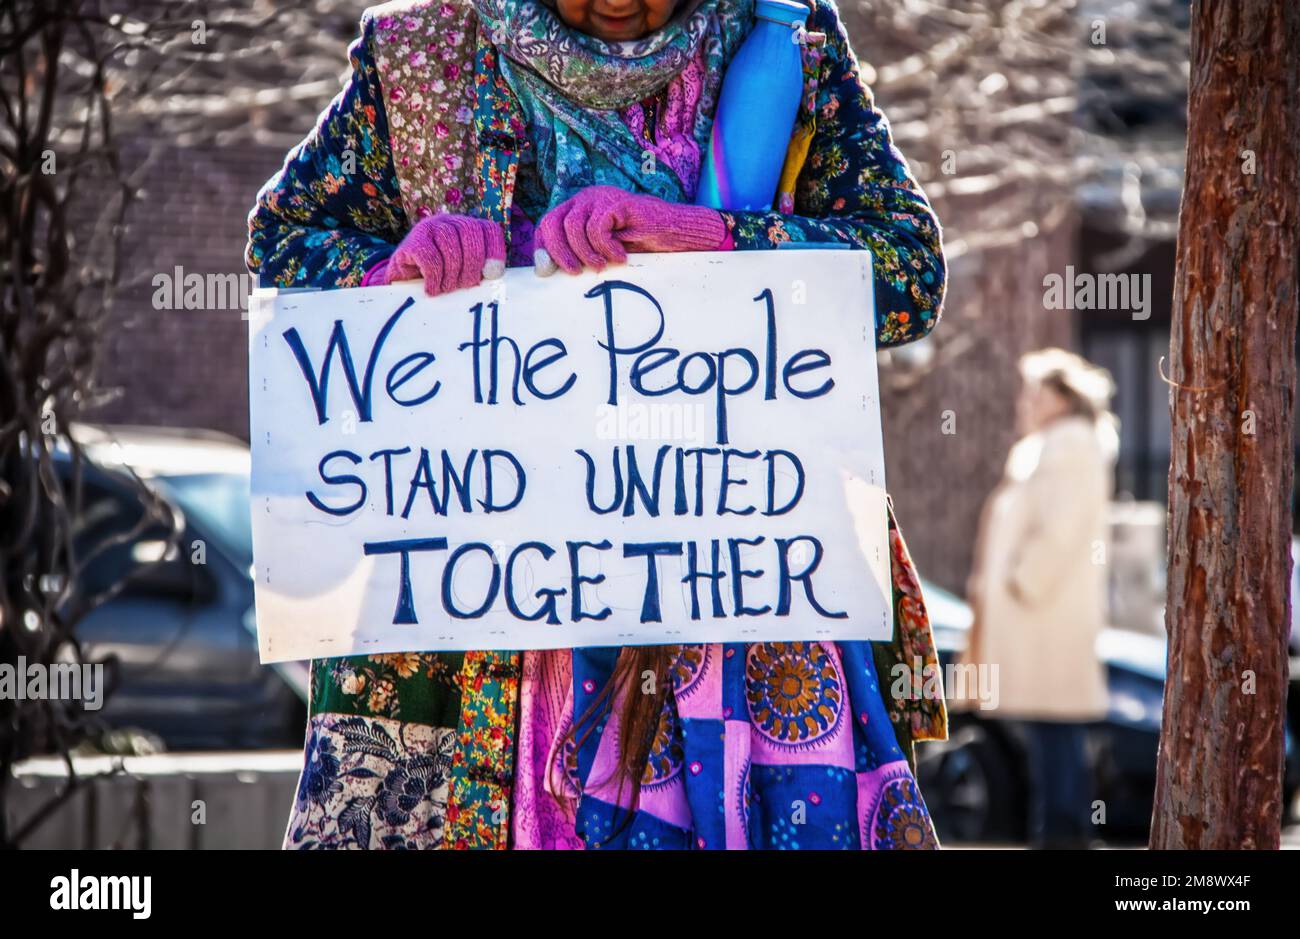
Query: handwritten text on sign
x,y
683,449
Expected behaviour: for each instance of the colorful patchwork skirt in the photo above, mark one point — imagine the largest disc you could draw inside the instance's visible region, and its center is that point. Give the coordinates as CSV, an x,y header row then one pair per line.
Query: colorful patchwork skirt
x,y
780,745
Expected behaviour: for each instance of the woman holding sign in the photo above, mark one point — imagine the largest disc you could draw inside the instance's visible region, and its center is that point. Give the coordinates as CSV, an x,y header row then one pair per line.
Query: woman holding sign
x,y
479,133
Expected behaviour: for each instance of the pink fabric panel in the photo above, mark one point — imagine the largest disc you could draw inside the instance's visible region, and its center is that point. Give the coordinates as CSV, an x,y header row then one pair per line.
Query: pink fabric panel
x,y
545,710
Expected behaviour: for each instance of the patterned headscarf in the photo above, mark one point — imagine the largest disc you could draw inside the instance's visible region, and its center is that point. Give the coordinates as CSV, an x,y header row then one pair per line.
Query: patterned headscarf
x,y
571,86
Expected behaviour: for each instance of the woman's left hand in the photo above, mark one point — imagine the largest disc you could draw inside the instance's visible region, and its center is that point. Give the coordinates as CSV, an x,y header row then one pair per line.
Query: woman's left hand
x,y
601,224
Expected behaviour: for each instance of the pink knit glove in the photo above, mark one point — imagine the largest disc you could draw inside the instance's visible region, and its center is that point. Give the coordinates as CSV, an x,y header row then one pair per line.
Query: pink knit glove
x,y
448,252
601,224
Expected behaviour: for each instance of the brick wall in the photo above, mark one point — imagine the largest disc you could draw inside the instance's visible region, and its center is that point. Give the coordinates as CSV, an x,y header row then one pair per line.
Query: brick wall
x,y
184,367
939,480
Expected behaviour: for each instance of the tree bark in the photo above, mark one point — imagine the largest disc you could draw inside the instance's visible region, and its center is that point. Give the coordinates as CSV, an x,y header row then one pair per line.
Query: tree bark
x,y
1232,375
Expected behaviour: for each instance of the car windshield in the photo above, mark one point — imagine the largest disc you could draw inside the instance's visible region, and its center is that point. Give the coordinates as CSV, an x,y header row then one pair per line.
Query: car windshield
x,y
218,504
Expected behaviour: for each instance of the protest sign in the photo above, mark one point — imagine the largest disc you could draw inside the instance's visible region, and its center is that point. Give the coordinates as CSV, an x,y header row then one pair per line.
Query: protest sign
x,y
686,448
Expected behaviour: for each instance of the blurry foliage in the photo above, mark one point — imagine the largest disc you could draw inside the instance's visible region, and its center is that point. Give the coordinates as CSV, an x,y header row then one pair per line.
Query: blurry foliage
x,y
64,65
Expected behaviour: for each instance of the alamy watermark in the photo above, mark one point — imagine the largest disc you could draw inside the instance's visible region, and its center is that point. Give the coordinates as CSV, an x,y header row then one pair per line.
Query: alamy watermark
x,y
61,681
1081,291
635,420
79,891
965,682
178,290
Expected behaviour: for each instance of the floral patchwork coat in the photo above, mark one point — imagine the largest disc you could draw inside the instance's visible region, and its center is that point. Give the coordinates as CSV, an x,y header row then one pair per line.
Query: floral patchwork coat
x,y
418,750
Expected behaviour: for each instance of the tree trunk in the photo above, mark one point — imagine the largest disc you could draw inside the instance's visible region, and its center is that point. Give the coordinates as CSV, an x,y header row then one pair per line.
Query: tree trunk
x,y
1232,352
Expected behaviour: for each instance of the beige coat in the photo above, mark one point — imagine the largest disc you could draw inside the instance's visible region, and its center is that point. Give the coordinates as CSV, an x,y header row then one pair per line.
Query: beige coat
x,y
1039,581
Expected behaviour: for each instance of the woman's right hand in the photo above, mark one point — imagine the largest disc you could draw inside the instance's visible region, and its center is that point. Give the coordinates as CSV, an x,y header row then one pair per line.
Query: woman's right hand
x,y
449,252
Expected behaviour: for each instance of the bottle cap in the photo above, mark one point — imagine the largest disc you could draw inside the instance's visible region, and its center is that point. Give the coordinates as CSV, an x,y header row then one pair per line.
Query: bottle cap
x,y
785,12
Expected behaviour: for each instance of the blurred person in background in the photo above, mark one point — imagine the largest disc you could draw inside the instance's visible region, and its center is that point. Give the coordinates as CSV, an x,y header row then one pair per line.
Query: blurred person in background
x,y
1038,578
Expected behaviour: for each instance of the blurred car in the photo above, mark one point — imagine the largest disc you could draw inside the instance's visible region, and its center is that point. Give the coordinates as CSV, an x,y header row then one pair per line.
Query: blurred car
x,y
976,783
181,636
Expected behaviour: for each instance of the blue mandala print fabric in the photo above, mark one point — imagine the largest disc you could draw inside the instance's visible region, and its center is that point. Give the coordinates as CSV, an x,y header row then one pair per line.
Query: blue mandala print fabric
x,y
761,749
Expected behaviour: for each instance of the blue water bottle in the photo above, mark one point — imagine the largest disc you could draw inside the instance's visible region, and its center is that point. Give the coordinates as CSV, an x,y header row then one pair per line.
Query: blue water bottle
x,y
756,111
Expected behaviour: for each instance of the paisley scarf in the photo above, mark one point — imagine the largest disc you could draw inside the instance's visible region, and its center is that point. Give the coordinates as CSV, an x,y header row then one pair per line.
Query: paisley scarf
x,y
570,87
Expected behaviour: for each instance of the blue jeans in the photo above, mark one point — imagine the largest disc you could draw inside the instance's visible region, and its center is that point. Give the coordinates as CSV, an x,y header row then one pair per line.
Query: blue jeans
x,y
1060,783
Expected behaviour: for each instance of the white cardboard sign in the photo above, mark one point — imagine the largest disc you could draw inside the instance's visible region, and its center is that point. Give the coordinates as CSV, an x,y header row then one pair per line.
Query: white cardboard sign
x,y
686,448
